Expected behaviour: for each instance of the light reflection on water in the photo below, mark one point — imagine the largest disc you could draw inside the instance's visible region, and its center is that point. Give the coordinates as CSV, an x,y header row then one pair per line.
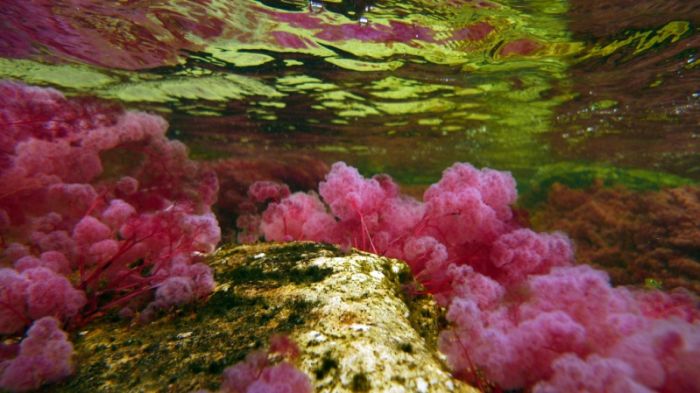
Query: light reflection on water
x,y
567,92
515,85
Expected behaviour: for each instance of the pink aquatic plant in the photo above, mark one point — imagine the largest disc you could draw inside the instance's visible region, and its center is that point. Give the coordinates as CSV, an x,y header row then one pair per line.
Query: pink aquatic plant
x,y
521,313
99,211
44,356
270,371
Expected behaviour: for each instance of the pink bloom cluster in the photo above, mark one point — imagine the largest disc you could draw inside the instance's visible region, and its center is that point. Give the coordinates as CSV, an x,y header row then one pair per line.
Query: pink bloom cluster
x,y
43,356
98,210
259,193
519,310
258,373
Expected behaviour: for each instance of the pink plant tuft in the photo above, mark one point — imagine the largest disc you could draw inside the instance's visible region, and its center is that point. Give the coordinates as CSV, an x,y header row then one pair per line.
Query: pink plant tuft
x,y
257,374
51,294
238,377
519,339
45,356
281,378
13,308
96,206
263,191
349,195
523,252
299,216
595,375
34,293
56,261
14,251
90,230
28,262
127,185
175,291
117,213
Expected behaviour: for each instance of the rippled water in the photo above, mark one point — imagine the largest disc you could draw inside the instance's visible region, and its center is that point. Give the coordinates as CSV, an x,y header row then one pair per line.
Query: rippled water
x,y
404,87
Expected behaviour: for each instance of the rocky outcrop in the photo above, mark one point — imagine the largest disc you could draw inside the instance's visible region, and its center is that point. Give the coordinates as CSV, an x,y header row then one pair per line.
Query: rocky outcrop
x,y
356,318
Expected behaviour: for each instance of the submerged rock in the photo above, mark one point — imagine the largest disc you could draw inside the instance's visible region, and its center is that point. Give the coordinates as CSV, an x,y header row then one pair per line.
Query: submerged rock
x,y
357,327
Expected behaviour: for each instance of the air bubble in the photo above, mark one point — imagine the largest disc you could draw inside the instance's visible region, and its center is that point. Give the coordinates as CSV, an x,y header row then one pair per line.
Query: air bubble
x,y
315,6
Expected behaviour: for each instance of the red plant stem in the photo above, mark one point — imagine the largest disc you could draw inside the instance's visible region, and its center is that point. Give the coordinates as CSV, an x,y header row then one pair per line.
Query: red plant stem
x,y
472,370
127,297
119,289
369,236
128,243
128,273
33,183
94,203
13,123
94,314
81,268
365,231
423,223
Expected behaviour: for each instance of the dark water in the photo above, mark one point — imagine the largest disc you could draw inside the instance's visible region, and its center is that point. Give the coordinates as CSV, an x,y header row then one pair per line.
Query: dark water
x,y
404,87
641,62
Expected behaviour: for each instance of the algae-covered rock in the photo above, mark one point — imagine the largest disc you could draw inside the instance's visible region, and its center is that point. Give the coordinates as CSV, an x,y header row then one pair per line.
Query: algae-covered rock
x,y
357,328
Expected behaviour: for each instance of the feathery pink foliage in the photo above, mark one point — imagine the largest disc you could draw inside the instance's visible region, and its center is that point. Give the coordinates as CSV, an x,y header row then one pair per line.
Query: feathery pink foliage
x,y
297,217
98,210
44,356
593,375
459,221
256,374
520,311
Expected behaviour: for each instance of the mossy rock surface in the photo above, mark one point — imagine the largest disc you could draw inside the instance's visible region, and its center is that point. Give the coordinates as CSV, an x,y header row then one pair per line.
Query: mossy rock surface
x,y
349,312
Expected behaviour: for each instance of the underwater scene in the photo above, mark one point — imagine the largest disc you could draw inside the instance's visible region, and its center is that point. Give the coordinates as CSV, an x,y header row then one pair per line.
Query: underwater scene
x,y
535,164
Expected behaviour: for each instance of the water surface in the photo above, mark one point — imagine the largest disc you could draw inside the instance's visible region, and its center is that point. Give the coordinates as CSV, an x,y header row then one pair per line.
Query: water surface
x,y
404,87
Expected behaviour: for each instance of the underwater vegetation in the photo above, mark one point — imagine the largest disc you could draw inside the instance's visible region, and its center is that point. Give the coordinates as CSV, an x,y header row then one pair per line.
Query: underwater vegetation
x,y
256,374
634,236
102,215
43,356
99,211
520,311
236,175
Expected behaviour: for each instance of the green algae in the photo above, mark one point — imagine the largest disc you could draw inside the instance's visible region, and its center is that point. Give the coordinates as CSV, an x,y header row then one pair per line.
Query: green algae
x,y
72,76
202,87
642,41
581,175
